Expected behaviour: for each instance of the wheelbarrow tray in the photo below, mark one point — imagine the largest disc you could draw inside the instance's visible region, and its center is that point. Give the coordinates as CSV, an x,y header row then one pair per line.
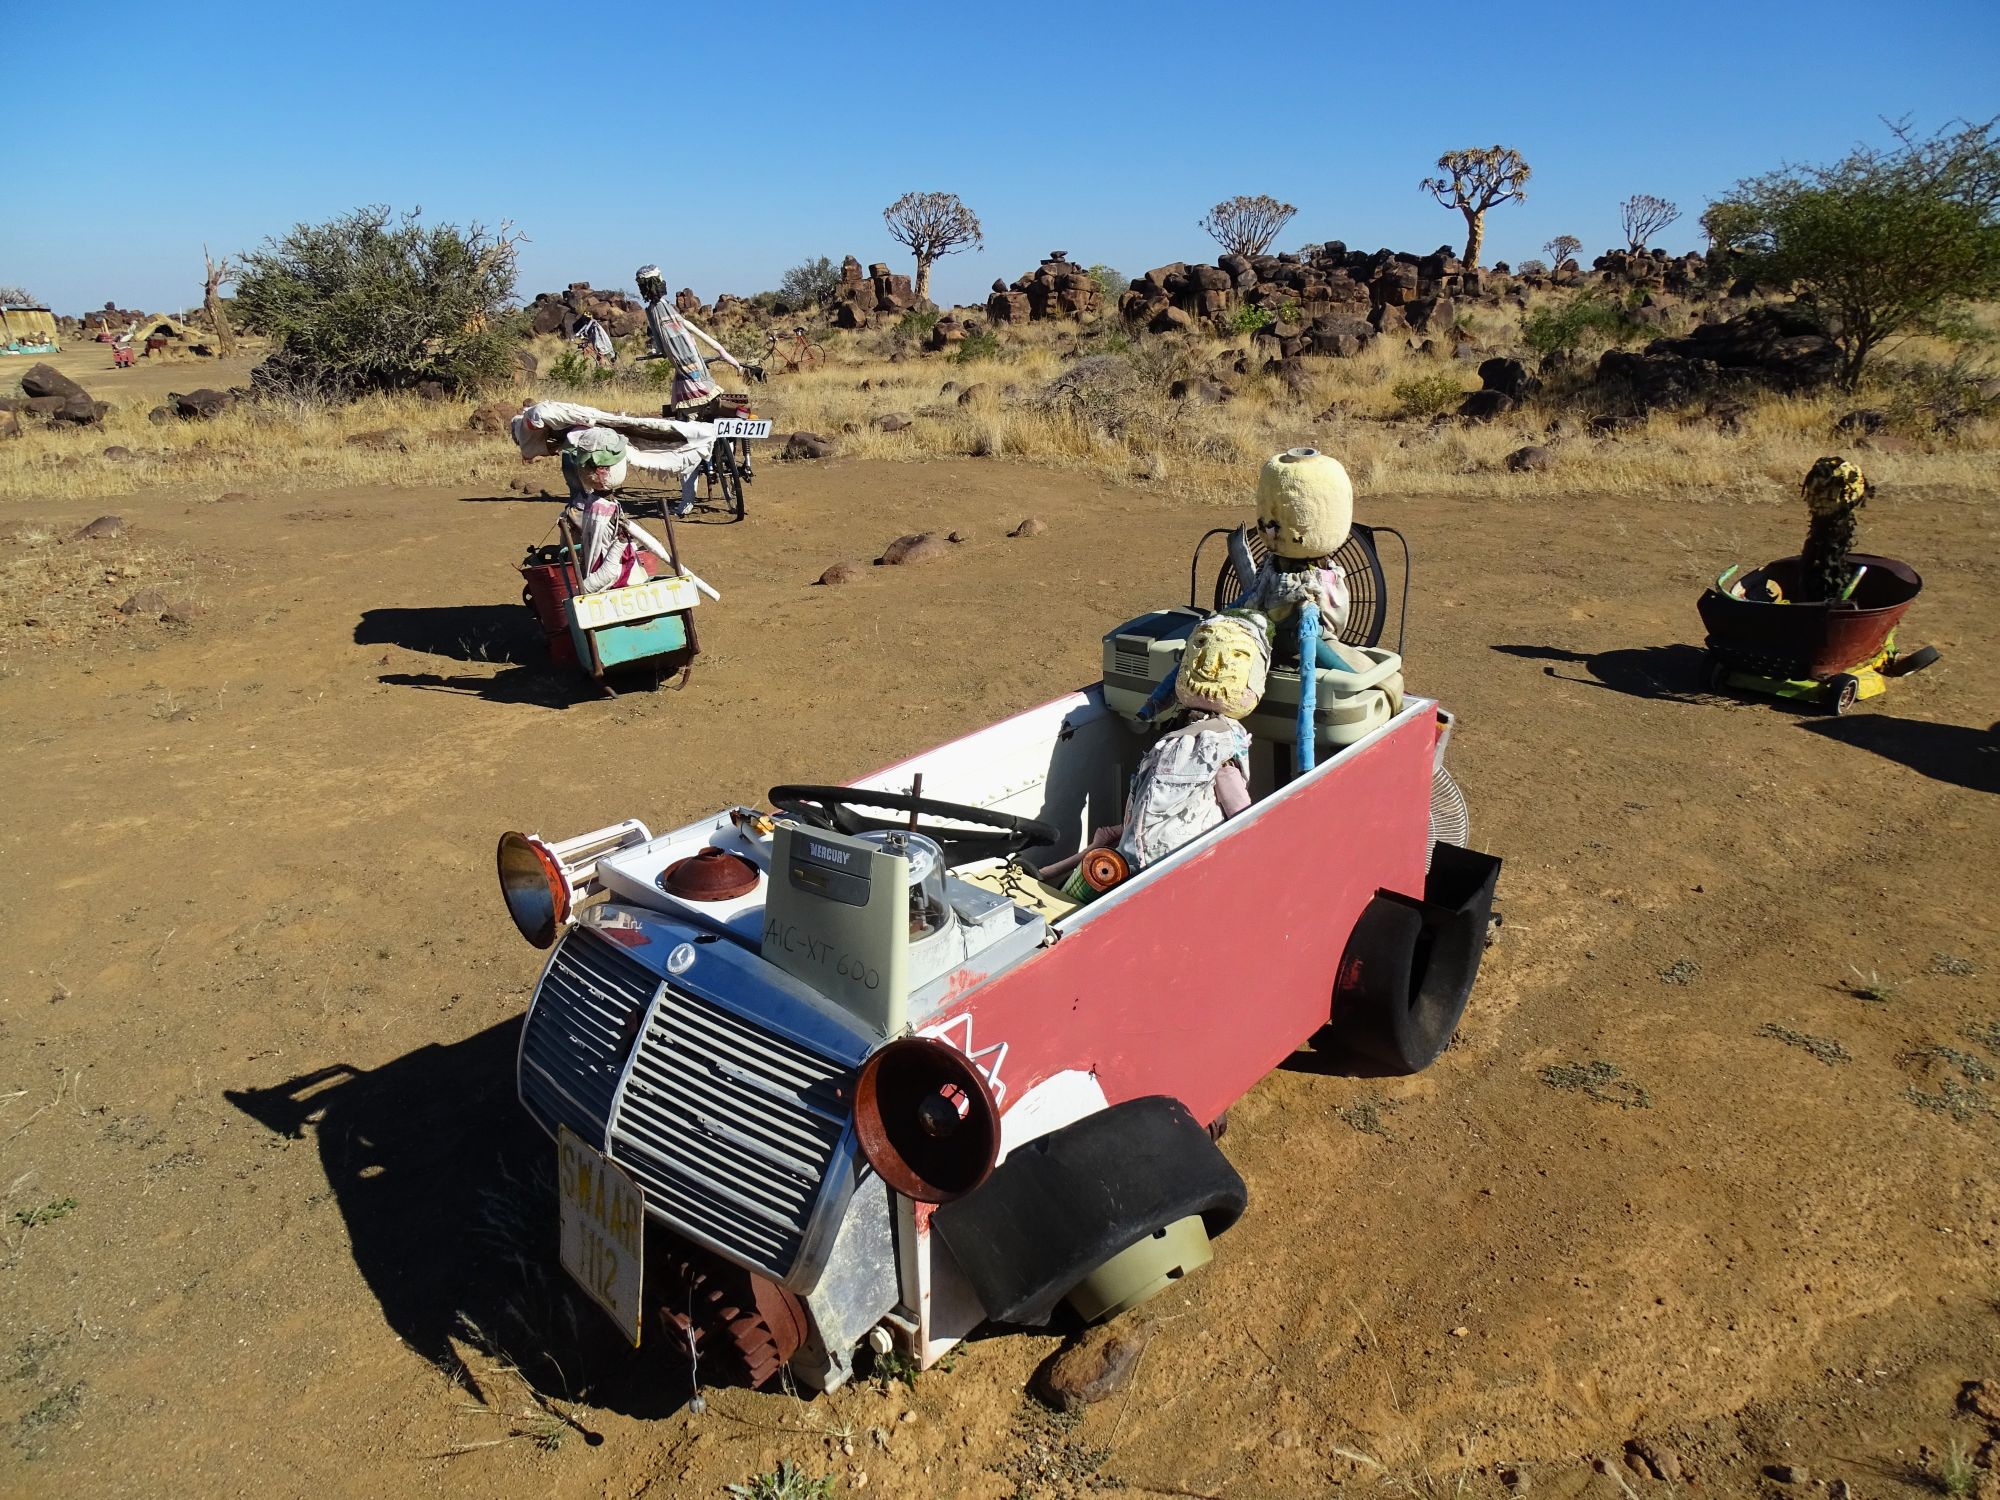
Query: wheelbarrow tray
x,y
1809,641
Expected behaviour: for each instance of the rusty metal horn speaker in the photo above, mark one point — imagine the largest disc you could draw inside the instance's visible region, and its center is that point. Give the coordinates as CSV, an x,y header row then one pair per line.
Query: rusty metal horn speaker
x,y
926,1120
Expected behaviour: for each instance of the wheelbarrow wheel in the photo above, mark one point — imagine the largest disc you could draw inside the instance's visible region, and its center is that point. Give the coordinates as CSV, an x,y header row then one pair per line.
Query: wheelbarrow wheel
x,y
1844,690
1916,661
1714,672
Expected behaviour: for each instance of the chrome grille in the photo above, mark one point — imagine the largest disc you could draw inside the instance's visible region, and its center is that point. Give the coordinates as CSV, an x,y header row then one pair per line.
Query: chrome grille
x,y
580,1032
730,1130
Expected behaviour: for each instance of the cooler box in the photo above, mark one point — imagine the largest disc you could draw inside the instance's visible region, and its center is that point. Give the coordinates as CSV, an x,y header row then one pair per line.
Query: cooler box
x,y
1142,653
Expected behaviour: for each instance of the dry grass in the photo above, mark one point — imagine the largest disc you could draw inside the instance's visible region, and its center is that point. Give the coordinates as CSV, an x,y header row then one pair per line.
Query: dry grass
x,y
57,590
1124,428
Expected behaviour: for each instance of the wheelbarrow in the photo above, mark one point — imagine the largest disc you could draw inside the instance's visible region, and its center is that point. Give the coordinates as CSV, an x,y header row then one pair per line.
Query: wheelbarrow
x,y
122,357
641,627
1831,654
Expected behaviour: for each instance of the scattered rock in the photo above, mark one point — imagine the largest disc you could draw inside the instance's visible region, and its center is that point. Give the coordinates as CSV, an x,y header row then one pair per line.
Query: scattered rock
x,y
159,416
807,445
103,529
973,392
1788,1473
918,547
894,421
1514,1477
1202,392
1484,406
955,536
1656,1459
1098,1365
1508,375
1610,426
79,411
842,572
1032,526
46,380
202,405
1981,1398
145,602
491,416
377,440
118,453
1533,459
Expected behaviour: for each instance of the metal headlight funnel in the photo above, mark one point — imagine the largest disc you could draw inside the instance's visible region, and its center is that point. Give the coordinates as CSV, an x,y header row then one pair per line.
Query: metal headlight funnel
x,y
926,1120
543,883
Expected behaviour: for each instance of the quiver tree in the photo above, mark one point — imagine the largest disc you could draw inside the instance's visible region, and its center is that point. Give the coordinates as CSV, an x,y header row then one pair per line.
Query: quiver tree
x,y
1563,247
931,225
1474,180
1642,216
217,275
1883,243
1246,226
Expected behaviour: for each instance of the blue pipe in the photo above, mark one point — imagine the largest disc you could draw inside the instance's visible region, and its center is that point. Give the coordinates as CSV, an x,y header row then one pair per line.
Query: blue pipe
x,y
1308,726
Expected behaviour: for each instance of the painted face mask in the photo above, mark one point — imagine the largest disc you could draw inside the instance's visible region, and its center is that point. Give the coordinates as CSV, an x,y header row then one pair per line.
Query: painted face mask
x,y
1305,504
1833,485
1224,666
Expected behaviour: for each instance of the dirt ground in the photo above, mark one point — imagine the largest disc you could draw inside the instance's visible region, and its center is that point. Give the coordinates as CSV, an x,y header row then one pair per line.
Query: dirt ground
x,y
274,1224
147,382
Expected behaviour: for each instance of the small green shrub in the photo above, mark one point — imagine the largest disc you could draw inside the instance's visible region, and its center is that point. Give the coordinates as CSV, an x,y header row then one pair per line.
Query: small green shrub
x,y
571,369
1289,311
1249,319
1561,329
1109,282
1427,395
786,1482
918,322
985,344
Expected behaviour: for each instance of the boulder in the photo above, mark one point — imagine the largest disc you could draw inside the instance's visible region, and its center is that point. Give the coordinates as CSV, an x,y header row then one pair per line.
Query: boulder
x,y
1203,392
894,421
492,416
1484,406
1100,1364
1170,319
919,547
377,440
1533,459
201,405
527,364
801,445
1431,314
974,392
79,411
1509,375
46,380
159,416
842,572
103,529
1032,526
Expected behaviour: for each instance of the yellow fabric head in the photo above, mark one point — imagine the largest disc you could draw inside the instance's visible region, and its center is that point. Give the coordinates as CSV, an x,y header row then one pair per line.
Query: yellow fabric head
x,y
1833,485
1225,663
1305,504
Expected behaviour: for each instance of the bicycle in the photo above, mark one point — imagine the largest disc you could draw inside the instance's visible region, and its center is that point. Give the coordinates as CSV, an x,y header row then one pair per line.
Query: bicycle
x,y
795,351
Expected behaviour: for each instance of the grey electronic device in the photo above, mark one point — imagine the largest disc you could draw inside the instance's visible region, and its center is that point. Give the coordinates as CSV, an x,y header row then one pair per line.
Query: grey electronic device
x,y
837,916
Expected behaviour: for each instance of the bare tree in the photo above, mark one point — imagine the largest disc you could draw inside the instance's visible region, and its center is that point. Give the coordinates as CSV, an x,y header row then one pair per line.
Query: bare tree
x,y
219,273
1563,247
1246,226
1644,216
1475,180
932,225
16,296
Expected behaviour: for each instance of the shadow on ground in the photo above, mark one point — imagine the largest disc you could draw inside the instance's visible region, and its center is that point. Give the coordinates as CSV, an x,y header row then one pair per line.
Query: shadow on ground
x,y
448,1193
1669,674
1952,753
460,632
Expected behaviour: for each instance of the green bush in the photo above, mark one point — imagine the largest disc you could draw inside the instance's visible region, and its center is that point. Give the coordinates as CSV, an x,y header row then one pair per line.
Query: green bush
x,y
985,344
1561,329
918,322
571,369
1427,395
364,303
1109,282
1248,319
811,283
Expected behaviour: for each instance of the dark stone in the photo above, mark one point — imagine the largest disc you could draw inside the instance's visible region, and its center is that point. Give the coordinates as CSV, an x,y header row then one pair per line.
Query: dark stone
x,y
1100,1364
973,392
1509,375
1483,406
1200,390
806,445
894,421
103,529
1533,459
201,405
46,380
842,572
527,364
79,411
1032,526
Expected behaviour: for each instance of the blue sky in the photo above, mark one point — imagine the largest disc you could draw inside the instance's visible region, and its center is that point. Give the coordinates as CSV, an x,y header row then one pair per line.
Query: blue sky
x,y
731,145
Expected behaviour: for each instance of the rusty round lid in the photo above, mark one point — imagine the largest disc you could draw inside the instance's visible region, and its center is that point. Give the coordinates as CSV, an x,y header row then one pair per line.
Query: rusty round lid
x,y
711,875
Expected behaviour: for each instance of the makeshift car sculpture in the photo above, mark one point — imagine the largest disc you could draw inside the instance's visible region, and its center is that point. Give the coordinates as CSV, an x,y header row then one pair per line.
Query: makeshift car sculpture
x,y
852,1076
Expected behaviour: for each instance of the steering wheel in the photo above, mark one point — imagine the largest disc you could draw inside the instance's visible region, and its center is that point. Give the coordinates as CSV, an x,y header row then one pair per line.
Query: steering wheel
x,y
994,834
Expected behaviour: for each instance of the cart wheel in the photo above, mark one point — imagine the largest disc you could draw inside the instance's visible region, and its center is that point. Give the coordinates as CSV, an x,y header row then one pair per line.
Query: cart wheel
x,y
1714,673
1845,690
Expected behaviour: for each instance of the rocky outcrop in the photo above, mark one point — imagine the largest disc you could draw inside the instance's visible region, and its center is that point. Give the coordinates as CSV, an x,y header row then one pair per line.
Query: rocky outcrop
x,y
1055,289
1777,348
562,312
861,301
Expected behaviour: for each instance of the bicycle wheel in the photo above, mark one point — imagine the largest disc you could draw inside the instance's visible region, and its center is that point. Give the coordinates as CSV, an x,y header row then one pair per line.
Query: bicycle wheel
x,y
812,357
728,482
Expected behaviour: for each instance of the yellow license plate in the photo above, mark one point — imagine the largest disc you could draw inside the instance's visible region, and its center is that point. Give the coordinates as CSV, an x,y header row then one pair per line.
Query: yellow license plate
x,y
638,601
603,1230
